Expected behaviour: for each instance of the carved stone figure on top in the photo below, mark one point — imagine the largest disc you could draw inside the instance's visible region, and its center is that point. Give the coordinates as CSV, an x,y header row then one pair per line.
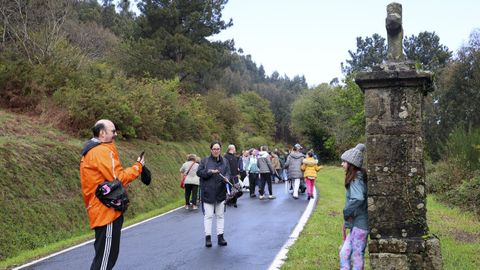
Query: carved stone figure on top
x,y
393,23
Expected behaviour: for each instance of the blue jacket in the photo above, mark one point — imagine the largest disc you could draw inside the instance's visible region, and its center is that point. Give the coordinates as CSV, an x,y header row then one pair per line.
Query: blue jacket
x,y
252,166
356,203
213,189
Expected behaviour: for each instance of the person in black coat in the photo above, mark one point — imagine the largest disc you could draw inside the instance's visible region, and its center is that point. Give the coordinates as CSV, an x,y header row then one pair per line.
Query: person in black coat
x,y
214,172
234,172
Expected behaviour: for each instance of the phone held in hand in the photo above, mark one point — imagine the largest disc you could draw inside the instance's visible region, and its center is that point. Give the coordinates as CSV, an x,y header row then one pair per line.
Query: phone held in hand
x,y
141,154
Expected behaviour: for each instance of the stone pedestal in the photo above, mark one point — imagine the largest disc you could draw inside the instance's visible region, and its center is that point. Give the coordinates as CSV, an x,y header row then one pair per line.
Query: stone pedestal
x,y
399,237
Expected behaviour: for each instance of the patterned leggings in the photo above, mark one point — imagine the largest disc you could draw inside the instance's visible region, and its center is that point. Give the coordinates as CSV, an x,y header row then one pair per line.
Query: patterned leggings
x,y
353,246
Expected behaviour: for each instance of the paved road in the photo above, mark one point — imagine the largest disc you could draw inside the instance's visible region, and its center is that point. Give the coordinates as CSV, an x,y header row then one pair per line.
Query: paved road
x,y
255,232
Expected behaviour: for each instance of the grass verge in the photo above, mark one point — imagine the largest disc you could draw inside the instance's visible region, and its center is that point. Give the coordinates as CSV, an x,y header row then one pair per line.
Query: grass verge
x,y
319,242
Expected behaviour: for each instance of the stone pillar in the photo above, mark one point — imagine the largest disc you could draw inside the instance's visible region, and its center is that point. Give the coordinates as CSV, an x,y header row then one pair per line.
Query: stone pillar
x,y
394,92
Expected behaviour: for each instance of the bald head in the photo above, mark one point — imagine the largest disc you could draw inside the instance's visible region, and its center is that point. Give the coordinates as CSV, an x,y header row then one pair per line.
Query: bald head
x,y
104,130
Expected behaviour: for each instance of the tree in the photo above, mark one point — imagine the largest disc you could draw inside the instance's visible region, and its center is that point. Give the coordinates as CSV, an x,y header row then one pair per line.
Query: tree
x,y
195,19
370,52
34,28
257,118
349,124
459,88
312,115
427,50
172,39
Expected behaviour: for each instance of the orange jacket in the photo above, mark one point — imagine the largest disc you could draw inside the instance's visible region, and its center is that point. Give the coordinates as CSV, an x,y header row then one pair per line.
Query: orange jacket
x,y
95,167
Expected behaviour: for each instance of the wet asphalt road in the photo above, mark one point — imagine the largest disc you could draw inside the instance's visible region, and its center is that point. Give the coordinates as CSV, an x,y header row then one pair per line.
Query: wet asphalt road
x,y
255,232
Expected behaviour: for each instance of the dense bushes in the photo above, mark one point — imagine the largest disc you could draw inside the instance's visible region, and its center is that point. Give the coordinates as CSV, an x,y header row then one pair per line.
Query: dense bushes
x,y
145,109
23,85
456,178
141,108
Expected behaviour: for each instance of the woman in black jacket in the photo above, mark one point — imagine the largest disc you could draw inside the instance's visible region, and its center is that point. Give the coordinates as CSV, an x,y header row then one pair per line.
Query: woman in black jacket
x,y
214,172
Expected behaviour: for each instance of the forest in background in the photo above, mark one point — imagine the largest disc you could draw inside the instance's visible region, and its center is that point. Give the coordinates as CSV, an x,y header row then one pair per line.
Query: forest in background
x,y
159,78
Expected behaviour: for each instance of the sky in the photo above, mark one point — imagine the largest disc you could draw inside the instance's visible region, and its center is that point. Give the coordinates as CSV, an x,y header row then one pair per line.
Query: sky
x,y
312,37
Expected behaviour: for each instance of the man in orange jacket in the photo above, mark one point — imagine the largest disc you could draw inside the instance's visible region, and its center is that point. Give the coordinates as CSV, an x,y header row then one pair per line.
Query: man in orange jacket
x,y
100,162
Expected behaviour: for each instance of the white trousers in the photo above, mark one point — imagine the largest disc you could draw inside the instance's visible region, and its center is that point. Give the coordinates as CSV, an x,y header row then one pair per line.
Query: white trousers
x,y
210,210
296,187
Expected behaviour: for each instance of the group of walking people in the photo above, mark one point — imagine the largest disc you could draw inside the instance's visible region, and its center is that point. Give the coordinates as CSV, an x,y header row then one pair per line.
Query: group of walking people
x,y
211,175
216,173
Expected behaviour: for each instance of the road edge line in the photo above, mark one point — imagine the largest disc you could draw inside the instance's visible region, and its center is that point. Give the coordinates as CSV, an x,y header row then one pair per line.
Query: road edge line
x,y
89,241
282,254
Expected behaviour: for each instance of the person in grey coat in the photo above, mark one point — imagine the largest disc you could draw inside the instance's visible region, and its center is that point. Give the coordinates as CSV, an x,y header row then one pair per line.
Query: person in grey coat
x,y
266,170
293,166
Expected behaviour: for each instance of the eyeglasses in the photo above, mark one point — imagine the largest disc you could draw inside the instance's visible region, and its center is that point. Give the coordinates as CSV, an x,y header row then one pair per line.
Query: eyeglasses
x,y
215,149
114,131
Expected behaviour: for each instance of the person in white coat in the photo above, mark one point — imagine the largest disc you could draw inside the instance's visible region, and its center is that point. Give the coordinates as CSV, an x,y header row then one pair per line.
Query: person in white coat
x,y
192,181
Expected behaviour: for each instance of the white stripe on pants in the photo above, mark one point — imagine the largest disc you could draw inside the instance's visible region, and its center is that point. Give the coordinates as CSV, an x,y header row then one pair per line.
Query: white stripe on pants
x,y
211,209
108,244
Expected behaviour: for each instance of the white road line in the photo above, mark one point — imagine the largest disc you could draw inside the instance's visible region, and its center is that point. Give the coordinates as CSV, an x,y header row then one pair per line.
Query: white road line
x,y
90,241
282,254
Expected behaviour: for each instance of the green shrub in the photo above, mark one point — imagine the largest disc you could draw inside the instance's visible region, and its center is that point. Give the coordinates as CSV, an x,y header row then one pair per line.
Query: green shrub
x,y
254,141
147,108
466,196
94,93
456,178
462,148
444,176
23,84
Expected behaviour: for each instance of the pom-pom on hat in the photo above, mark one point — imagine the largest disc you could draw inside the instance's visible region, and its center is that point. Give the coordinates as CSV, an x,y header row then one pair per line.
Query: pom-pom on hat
x,y
354,156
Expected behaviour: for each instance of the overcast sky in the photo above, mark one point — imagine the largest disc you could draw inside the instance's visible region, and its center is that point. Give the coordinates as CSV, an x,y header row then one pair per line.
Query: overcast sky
x,y
312,37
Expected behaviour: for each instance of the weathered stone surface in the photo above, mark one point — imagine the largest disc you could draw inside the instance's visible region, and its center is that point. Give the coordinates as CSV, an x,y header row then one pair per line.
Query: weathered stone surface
x,y
375,105
388,261
433,258
383,78
394,150
415,261
397,245
392,245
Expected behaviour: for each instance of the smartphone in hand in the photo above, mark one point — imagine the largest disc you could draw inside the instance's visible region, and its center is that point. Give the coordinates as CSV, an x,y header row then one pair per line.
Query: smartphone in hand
x,y
141,154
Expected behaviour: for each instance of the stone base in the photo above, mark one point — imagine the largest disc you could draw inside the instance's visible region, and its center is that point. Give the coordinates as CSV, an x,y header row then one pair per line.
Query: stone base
x,y
405,254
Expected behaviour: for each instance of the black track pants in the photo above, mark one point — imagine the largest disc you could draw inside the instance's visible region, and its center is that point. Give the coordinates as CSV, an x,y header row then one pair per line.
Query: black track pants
x,y
107,245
